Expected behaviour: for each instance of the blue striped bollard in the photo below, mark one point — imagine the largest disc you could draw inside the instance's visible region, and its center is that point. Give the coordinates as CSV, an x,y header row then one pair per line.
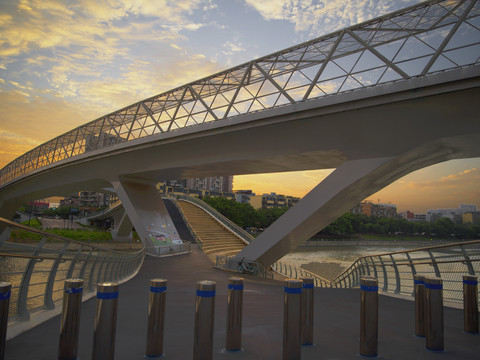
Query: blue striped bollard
x,y
307,311
470,304
5,292
70,321
292,319
105,321
233,339
156,318
204,320
434,313
369,317
419,284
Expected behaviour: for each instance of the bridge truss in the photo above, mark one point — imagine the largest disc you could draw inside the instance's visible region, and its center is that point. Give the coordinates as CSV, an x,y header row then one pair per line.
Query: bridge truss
x,y
434,36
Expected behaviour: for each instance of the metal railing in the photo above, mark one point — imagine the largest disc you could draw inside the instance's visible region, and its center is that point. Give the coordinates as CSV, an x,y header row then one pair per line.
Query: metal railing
x,y
227,223
229,262
38,267
296,272
171,249
395,271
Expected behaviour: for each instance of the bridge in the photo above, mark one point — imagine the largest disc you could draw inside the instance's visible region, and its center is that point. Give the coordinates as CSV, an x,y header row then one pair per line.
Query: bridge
x,y
375,101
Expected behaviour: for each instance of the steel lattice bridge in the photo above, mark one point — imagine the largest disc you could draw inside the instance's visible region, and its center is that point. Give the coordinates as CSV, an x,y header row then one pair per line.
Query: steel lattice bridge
x,y
375,101
433,37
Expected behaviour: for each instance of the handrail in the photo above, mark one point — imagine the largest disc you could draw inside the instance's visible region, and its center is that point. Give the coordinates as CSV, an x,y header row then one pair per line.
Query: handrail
x,y
395,270
38,271
227,223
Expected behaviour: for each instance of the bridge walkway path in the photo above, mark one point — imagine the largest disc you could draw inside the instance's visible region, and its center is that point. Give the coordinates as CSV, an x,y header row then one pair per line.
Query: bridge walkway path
x,y
336,333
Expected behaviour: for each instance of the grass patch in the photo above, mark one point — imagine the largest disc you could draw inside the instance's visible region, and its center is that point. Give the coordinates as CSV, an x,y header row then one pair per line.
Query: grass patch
x,y
94,236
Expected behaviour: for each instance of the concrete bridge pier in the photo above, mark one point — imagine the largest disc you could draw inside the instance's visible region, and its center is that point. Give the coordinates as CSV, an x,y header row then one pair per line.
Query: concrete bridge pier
x,y
147,212
345,187
122,230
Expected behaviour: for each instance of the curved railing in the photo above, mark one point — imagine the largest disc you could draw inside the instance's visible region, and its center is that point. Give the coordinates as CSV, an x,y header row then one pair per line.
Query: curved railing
x,y
227,223
430,37
295,272
38,269
395,271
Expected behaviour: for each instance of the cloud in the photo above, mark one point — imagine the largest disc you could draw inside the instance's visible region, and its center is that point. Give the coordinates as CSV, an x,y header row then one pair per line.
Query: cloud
x,y
321,17
449,182
231,48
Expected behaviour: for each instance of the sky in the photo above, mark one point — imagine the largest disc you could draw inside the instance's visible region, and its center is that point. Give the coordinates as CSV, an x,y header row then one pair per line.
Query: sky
x,y
64,63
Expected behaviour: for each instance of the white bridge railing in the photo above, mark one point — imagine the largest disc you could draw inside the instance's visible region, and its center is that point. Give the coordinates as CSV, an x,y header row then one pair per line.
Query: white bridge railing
x,y
395,270
38,267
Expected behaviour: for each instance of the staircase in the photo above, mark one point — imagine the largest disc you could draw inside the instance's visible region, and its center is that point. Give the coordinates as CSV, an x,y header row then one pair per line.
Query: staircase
x,y
215,239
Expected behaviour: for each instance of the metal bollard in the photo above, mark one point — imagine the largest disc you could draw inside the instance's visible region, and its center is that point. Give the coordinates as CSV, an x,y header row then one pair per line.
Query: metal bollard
x,y
470,304
292,319
233,341
419,283
5,292
105,321
434,313
369,317
307,311
204,320
70,321
156,318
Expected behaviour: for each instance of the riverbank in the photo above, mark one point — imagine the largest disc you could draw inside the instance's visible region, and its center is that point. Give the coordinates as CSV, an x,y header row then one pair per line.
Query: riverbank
x,y
367,242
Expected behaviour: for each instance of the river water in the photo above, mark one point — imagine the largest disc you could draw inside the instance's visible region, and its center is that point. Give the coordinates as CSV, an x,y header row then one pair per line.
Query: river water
x,y
329,261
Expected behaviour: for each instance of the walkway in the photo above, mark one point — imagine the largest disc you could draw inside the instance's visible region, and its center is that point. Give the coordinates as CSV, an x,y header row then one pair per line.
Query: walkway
x,y
336,331
215,238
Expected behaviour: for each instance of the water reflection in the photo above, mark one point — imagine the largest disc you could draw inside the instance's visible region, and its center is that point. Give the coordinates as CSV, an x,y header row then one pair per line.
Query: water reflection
x,y
329,261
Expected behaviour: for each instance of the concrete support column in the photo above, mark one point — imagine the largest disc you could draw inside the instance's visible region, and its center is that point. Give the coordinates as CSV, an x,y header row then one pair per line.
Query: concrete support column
x,y
147,212
122,230
349,184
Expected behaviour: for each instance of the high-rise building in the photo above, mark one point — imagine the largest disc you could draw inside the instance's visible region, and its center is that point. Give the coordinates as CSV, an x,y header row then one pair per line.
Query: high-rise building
x,y
213,183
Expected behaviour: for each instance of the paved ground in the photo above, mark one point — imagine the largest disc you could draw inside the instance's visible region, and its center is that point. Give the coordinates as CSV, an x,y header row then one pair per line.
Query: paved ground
x,y
336,333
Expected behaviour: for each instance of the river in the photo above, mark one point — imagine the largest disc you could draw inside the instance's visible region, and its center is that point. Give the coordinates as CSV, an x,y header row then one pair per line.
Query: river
x,y
329,261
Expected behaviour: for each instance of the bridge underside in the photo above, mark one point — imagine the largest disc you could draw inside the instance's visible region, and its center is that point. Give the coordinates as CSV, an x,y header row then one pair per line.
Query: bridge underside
x,y
371,136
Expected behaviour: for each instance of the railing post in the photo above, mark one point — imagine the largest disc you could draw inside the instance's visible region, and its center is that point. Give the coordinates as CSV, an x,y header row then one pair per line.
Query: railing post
x,y
434,264
5,292
105,321
434,313
70,321
385,275
470,304
397,275
233,340
292,319
307,311
419,285
204,320
48,294
156,318
369,317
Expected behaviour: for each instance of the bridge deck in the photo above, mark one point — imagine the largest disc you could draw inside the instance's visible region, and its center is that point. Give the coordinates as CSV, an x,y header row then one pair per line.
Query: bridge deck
x,y
336,332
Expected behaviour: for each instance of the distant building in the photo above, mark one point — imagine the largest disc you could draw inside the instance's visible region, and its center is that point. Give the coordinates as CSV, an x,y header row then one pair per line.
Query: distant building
x,y
213,183
272,200
471,217
88,199
178,189
376,210
410,216
243,196
453,214
407,215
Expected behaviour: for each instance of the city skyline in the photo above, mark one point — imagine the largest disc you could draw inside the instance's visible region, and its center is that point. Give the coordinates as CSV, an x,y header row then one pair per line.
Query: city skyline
x,y
65,63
